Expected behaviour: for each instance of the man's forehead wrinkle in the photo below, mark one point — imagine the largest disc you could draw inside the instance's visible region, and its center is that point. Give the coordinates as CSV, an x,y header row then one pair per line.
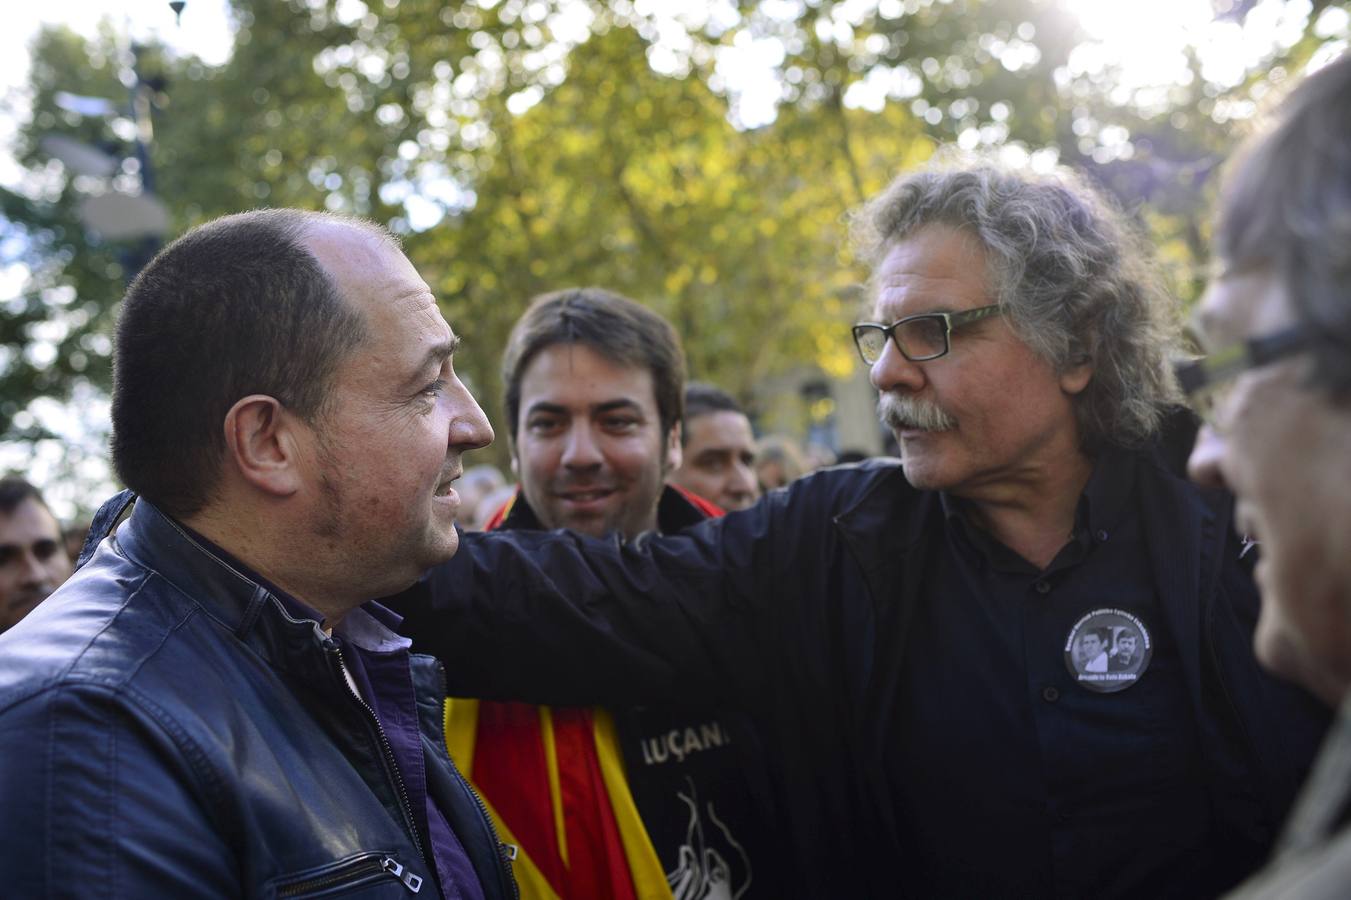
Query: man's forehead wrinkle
x,y
912,267
413,297
916,290
400,301
899,280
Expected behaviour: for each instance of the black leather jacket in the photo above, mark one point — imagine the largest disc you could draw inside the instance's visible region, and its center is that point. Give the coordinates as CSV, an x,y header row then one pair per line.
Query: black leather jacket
x,y
167,730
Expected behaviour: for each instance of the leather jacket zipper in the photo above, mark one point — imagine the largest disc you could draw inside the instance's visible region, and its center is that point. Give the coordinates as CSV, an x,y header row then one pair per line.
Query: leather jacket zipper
x,y
387,752
506,853
351,873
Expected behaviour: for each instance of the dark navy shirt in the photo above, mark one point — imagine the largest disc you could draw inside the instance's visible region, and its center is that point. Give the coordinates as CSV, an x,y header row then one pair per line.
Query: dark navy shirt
x,y
1014,779
376,658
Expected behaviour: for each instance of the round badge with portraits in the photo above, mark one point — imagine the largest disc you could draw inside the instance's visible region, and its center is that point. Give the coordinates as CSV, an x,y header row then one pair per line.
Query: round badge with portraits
x,y
1108,650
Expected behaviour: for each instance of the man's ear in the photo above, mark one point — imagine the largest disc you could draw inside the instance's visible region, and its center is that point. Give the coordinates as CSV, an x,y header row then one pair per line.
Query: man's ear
x,y
260,441
1075,378
674,452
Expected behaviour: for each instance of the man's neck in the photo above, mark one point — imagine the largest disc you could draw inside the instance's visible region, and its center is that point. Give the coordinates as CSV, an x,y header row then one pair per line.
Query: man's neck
x,y
1033,517
273,559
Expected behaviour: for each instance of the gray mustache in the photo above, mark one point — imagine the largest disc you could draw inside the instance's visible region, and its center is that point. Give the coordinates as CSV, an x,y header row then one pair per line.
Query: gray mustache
x,y
910,412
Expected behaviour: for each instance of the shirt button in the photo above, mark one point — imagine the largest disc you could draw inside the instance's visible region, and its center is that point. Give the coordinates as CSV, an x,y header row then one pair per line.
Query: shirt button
x,y
1050,694
1102,535
1042,587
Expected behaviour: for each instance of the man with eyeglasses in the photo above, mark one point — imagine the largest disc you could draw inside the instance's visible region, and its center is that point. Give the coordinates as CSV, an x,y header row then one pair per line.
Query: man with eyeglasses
x,y
1275,392
903,635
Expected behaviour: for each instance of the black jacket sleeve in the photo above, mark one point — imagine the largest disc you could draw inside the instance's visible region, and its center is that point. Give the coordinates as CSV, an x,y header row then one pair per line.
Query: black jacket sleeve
x,y
703,617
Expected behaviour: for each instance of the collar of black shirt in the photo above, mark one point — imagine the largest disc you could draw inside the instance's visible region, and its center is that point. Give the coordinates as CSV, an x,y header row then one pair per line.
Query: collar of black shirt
x,y
1101,507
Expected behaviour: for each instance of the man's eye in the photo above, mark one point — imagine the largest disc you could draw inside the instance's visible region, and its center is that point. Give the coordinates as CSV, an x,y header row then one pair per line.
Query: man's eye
x,y
712,464
44,550
542,426
619,423
435,388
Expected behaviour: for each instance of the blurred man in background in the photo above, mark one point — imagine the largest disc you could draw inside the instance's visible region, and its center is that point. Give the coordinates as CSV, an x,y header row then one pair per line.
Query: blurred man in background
x,y
718,456
33,558
1275,393
779,461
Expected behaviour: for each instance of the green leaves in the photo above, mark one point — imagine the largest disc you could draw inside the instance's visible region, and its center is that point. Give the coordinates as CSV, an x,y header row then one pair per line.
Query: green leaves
x,y
527,146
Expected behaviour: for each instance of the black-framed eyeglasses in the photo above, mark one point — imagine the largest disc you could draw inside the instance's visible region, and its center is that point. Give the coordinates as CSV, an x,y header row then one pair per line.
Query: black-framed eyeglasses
x,y
921,337
1207,382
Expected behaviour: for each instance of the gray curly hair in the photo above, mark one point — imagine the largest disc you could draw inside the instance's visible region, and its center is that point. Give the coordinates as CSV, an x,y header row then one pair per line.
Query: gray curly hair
x,y
1071,277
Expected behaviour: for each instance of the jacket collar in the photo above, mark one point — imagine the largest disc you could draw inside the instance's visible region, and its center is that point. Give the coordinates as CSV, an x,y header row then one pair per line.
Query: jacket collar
x,y
278,626
153,540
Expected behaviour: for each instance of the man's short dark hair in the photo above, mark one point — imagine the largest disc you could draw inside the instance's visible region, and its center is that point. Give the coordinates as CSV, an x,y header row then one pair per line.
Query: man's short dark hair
x,y
1286,204
619,329
704,399
234,307
14,490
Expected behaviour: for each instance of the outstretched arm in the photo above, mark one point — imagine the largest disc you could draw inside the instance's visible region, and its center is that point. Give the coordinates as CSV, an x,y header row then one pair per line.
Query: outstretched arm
x,y
557,617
